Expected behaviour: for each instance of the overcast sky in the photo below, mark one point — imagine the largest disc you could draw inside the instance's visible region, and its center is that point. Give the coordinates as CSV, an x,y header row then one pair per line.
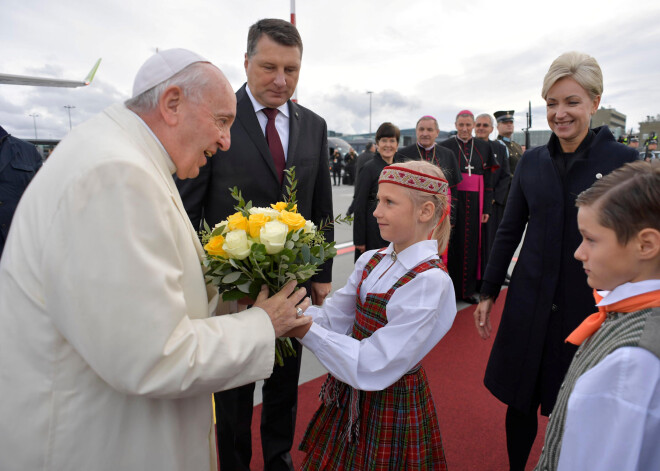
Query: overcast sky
x,y
417,56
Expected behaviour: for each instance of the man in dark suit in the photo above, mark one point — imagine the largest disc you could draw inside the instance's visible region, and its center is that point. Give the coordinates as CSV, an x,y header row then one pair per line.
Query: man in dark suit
x,y
270,133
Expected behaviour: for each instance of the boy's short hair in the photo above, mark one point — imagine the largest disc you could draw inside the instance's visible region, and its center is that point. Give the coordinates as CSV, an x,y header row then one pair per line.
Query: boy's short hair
x,y
628,199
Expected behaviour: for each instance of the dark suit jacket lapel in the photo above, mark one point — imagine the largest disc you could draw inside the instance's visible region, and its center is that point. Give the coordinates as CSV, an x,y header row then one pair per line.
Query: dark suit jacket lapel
x,y
294,133
248,118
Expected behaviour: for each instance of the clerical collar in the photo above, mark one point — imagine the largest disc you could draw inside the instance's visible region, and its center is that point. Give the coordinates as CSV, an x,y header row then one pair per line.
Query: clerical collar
x,y
464,142
427,149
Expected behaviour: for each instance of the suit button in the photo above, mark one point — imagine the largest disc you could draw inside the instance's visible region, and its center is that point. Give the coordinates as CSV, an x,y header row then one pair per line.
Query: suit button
x,y
555,308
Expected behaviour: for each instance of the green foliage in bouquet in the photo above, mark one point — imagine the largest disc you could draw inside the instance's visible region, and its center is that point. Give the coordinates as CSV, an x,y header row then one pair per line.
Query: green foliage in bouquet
x,y
272,246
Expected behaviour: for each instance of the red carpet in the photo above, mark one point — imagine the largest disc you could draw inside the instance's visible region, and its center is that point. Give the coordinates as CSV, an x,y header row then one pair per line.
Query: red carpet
x,y
471,419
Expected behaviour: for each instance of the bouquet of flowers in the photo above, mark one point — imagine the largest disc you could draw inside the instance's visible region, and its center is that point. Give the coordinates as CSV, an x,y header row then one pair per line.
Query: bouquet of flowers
x,y
257,246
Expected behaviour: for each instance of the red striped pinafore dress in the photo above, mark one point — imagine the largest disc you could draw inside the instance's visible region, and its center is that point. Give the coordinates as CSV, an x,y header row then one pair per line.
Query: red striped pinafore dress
x,y
392,429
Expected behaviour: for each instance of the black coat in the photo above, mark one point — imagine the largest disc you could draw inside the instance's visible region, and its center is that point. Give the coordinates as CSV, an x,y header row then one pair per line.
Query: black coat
x,y
548,295
249,165
19,162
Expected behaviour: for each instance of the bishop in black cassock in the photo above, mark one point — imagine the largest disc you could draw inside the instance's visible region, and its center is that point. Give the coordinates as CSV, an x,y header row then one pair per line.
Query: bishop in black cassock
x,y
471,200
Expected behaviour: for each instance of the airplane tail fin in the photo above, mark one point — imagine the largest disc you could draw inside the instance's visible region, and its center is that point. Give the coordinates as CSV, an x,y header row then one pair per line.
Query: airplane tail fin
x,y
90,75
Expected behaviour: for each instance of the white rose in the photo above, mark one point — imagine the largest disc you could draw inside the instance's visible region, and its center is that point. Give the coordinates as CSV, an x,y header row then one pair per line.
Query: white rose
x,y
236,244
270,212
273,236
309,227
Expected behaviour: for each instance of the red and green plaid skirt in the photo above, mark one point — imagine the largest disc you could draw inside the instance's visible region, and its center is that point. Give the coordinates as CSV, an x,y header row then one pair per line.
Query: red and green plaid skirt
x,y
393,429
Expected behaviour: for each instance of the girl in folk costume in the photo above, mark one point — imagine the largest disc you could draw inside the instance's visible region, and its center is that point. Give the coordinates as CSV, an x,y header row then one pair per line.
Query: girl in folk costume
x,y
377,412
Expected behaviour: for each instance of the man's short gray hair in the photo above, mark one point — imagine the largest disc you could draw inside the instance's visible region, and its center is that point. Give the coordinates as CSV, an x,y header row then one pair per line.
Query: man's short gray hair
x,y
192,80
486,115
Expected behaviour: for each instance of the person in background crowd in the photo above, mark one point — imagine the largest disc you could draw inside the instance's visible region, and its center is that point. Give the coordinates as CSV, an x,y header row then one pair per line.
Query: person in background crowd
x,y
473,202
501,178
349,166
337,163
548,295
366,155
19,162
505,134
366,234
427,131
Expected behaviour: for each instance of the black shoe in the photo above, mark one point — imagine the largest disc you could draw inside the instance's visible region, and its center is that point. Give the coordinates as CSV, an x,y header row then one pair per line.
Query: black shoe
x,y
471,300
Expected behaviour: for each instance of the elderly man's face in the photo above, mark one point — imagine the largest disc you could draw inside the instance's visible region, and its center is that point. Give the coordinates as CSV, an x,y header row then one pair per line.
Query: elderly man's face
x,y
272,72
464,126
505,128
427,132
483,128
204,126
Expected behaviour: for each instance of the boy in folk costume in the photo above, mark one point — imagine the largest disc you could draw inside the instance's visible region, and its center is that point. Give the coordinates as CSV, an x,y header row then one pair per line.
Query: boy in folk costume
x,y
607,415
377,411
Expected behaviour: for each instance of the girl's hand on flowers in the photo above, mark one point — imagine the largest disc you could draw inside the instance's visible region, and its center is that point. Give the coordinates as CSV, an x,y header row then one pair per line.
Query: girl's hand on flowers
x,y
282,307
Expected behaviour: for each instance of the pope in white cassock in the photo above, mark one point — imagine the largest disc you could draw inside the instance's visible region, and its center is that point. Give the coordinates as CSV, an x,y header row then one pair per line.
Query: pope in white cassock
x,y
108,356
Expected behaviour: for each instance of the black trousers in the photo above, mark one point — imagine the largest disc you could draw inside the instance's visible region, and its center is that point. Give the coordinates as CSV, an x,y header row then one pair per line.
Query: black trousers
x,y
278,419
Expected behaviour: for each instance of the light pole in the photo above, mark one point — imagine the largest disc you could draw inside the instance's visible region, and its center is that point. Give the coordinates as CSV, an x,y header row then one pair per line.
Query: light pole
x,y
370,93
34,117
68,108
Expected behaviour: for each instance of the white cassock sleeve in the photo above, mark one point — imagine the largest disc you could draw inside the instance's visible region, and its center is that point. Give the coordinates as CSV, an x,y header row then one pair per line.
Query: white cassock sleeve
x,y
613,415
419,314
114,282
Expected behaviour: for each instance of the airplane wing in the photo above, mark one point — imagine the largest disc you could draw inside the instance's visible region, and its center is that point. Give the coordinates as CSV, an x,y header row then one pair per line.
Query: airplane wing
x,y
48,82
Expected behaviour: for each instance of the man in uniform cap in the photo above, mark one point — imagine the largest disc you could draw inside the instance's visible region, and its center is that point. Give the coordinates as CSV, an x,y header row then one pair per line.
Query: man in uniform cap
x,y
109,356
633,142
501,179
505,134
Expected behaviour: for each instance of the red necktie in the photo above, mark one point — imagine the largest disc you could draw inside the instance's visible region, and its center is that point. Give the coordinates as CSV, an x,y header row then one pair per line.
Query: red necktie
x,y
274,142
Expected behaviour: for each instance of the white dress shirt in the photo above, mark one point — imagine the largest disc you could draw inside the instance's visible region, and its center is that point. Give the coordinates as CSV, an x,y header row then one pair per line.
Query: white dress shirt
x,y
419,314
613,414
281,120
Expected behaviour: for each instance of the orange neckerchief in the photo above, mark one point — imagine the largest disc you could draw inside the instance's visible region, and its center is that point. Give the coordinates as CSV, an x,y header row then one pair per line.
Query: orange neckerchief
x,y
592,323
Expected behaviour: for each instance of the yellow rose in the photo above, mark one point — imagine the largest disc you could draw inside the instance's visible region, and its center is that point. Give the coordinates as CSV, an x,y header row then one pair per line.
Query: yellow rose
x,y
214,246
294,220
281,206
236,244
256,222
273,236
237,221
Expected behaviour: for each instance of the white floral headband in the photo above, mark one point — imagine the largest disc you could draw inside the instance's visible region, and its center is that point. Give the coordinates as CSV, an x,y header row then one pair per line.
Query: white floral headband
x,y
415,180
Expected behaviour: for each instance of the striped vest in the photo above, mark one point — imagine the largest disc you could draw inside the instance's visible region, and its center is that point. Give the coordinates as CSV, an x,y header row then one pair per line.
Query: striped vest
x,y
634,329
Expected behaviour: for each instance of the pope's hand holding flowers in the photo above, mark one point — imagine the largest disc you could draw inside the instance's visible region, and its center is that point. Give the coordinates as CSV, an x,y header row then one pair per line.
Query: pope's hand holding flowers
x,y
266,246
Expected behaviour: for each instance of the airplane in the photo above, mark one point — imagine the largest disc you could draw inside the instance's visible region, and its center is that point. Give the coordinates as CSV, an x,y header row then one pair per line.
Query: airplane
x,y
48,82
